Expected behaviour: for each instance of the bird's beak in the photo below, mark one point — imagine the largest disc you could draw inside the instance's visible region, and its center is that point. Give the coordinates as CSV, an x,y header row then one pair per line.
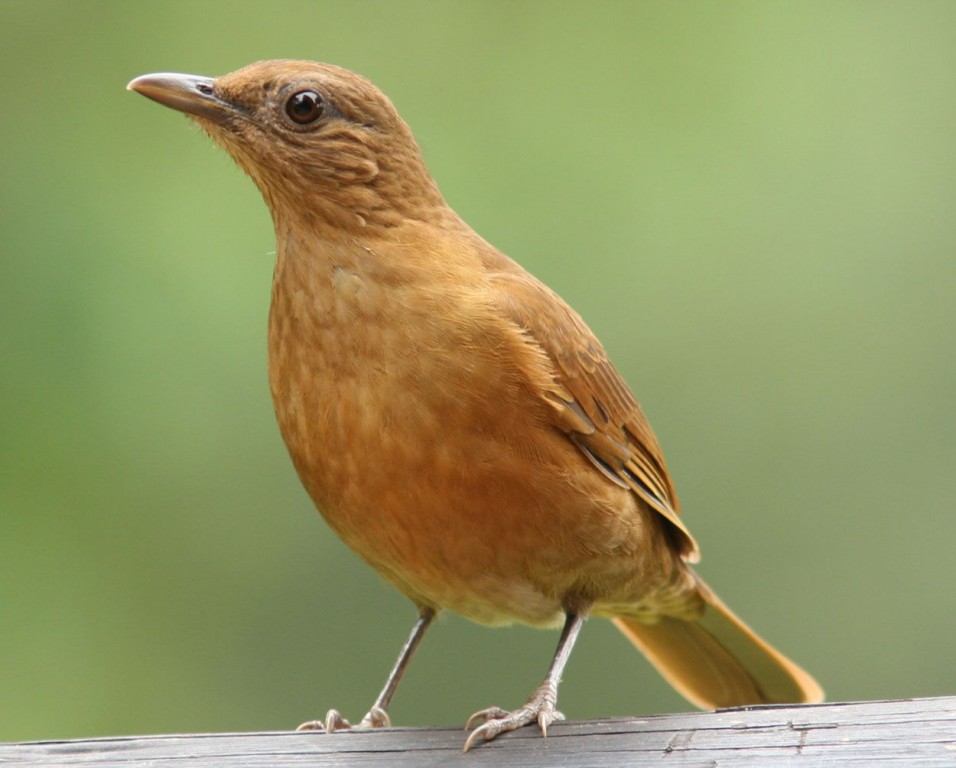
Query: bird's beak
x,y
192,94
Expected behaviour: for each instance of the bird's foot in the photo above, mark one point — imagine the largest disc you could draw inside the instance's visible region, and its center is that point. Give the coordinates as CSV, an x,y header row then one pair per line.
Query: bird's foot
x,y
376,718
540,708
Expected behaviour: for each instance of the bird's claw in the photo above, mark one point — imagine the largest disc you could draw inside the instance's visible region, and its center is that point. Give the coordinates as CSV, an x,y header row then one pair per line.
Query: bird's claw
x,y
375,718
495,720
333,722
484,715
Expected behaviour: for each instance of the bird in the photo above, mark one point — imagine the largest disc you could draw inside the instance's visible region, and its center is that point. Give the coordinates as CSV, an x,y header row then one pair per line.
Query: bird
x,y
453,419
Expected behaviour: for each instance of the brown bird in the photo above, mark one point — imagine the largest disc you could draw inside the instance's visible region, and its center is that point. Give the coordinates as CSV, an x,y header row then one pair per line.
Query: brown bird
x,y
453,419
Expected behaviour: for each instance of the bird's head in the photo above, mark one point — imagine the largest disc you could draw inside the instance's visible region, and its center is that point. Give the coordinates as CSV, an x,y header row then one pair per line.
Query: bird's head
x,y
322,143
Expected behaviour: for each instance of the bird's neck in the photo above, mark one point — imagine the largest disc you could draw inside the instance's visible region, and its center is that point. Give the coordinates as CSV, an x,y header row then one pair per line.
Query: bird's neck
x,y
362,214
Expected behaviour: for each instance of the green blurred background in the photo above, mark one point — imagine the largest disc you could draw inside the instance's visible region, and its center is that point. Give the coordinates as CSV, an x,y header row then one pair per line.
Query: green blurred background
x,y
752,203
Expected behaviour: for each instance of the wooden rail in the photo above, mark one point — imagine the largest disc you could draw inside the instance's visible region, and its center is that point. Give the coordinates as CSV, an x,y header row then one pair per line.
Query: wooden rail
x,y
910,732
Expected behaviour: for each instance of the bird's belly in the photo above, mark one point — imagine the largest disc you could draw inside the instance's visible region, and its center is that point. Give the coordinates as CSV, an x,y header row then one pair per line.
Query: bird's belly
x,y
489,512
424,501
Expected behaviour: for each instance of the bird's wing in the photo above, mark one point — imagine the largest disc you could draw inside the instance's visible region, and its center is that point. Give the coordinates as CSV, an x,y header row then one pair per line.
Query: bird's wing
x,y
593,404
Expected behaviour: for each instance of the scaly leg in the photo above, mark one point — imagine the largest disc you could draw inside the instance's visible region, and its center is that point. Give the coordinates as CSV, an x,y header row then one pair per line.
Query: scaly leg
x,y
541,705
377,716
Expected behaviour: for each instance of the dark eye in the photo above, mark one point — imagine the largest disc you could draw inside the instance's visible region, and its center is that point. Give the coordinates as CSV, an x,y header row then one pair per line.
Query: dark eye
x,y
305,107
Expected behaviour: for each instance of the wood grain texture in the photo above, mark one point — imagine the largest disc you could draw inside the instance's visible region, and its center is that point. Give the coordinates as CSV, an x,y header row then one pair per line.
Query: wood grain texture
x,y
910,732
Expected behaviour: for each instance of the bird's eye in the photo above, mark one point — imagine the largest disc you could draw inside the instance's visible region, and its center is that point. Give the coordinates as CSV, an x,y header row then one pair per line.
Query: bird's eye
x,y
305,107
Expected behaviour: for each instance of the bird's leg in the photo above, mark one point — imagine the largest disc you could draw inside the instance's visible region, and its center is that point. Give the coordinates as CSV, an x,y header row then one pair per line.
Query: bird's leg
x,y
377,716
540,707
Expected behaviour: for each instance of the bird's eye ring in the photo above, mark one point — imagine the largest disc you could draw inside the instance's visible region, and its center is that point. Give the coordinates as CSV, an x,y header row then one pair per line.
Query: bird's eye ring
x,y
304,107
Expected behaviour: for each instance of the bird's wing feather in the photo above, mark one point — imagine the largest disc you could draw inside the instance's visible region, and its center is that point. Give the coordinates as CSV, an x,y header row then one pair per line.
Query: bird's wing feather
x,y
593,404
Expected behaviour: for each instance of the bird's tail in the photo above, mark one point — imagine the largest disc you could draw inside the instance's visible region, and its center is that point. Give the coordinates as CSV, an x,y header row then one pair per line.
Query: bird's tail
x,y
717,660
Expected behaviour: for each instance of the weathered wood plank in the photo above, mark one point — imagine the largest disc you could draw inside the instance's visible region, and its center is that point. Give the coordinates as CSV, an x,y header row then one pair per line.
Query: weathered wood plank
x,y
911,732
